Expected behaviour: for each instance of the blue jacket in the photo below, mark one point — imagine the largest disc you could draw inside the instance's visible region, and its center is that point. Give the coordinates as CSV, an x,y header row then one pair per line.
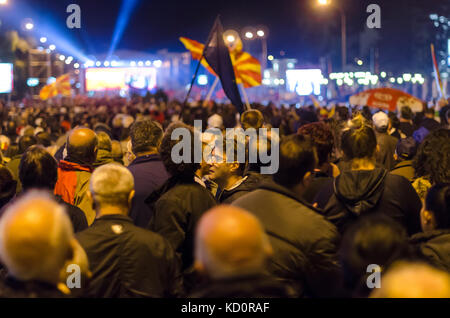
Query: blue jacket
x,y
149,174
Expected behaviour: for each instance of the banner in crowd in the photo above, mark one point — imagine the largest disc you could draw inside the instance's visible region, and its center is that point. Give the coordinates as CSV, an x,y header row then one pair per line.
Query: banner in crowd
x,y
437,75
386,98
61,86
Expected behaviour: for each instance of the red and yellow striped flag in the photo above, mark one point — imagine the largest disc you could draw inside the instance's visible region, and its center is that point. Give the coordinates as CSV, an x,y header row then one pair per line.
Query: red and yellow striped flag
x,y
246,68
60,86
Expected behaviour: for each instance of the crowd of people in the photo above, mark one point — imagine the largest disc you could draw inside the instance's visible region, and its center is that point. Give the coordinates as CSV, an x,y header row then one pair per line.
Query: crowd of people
x,y
92,182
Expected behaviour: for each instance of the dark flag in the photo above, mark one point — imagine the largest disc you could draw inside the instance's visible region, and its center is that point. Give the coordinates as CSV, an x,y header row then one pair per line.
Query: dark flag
x,y
218,57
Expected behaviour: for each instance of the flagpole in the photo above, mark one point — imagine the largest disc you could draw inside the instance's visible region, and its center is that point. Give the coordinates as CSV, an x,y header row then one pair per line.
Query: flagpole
x,y
192,82
247,104
213,87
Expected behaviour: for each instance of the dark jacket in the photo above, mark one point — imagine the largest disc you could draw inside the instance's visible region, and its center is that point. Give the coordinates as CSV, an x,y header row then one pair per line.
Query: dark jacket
x,y
11,287
407,128
13,166
318,181
356,193
77,217
404,169
103,157
252,182
127,261
434,247
387,144
304,243
178,206
149,174
254,286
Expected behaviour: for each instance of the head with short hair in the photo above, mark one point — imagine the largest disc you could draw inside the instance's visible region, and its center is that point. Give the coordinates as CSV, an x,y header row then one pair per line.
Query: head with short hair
x,y
146,135
298,158
25,142
35,238
436,212
181,133
82,146
432,160
44,139
104,141
406,113
413,280
228,161
322,138
38,169
252,118
112,185
222,253
374,239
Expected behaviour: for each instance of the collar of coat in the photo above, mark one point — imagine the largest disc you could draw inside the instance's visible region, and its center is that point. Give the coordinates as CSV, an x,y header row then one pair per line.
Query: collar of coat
x,y
72,166
275,187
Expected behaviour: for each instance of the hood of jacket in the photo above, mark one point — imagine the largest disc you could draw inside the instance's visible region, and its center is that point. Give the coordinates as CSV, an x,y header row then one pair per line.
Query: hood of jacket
x,y
360,190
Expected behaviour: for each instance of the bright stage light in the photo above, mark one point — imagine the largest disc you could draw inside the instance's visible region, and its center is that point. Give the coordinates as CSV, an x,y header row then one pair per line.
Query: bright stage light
x,y
323,2
360,62
68,61
114,63
89,64
260,33
132,63
249,35
270,57
148,63
3,2
62,57
98,63
29,26
140,63
383,74
76,65
106,63
43,39
52,47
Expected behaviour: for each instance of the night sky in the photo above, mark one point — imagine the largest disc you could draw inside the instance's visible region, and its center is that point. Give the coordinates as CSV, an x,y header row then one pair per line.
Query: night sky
x,y
295,26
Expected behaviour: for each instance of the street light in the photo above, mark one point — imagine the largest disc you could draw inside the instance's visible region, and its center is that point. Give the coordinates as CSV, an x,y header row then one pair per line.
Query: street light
x,y
52,47
231,38
3,2
29,26
249,35
260,33
43,39
343,30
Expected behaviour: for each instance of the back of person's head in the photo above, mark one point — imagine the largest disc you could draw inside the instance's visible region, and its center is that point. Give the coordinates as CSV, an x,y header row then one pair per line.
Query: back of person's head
x,y
359,140
104,141
35,238
374,239
432,160
38,169
146,136
7,186
406,148
175,134
116,150
25,142
413,280
112,185
406,113
322,138
82,146
221,253
298,157
438,203
342,113
252,118
380,121
44,139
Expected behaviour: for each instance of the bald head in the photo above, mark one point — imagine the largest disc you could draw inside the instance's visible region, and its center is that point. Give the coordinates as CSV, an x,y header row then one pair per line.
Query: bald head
x,y
413,280
230,242
35,238
82,145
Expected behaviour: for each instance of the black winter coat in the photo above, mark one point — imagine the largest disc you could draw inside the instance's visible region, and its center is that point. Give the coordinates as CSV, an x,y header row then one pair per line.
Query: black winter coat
x,y
360,192
128,261
303,241
177,207
434,247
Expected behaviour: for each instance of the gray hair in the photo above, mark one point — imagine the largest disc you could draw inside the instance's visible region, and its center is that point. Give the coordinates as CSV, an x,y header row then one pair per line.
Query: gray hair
x,y
111,184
